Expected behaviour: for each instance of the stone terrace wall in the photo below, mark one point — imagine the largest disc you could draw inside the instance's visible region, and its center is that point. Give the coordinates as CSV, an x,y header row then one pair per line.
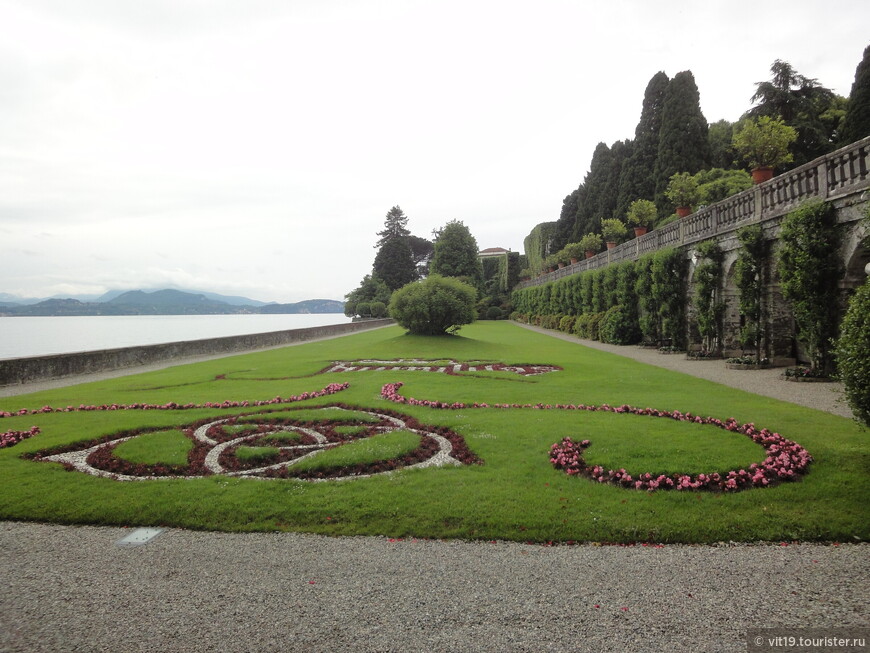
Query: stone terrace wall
x,y
40,368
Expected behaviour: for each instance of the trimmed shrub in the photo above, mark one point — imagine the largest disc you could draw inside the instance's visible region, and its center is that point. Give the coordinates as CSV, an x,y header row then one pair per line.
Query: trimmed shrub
x,y
566,324
853,353
434,306
617,328
494,313
378,309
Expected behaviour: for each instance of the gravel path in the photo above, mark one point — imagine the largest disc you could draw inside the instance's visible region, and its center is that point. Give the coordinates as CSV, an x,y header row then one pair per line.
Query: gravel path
x,y
822,396
74,589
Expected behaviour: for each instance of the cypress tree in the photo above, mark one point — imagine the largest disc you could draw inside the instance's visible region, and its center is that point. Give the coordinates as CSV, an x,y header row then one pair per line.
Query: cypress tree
x,y
683,144
598,202
856,124
636,179
567,218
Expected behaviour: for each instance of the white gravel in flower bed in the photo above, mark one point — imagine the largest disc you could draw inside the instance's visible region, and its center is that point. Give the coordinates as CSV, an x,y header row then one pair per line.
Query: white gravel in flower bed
x,y
74,589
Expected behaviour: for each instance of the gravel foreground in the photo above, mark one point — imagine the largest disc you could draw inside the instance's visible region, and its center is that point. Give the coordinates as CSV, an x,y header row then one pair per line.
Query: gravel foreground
x,y
74,589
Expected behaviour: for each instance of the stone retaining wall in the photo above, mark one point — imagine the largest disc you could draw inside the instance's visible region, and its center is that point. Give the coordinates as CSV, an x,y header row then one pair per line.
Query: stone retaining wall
x,y
41,368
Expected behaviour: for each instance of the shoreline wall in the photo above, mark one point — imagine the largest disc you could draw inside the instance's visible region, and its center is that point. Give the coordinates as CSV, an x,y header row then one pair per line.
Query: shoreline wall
x,y
15,371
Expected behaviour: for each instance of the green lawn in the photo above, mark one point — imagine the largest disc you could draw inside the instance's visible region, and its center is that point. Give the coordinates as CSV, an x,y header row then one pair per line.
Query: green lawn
x,y
515,494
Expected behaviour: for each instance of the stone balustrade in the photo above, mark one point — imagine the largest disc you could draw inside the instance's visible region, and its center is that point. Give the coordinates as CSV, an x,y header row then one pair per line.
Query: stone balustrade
x,y
833,176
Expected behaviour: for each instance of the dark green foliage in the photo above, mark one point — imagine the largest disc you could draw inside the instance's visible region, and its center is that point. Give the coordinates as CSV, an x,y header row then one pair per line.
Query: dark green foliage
x,y
717,184
853,353
628,327
750,278
421,251
615,327
636,179
378,309
564,227
683,145
372,289
709,307
801,103
394,263
856,123
456,254
494,313
668,272
809,268
722,154
434,306
647,304
395,226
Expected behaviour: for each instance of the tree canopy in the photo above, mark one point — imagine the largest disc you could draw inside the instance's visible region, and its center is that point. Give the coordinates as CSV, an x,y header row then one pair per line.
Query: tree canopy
x,y
856,122
456,253
394,263
801,102
395,226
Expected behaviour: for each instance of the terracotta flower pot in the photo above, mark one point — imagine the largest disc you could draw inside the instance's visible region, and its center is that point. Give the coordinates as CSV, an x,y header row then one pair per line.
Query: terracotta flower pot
x,y
590,253
561,265
683,211
639,231
760,175
611,245
573,260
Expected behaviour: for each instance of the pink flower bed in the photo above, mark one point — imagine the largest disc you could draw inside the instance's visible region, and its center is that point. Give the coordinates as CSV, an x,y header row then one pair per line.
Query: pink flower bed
x,y
331,389
11,438
786,460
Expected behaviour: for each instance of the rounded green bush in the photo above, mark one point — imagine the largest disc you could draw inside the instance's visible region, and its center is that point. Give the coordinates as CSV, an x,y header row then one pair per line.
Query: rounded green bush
x,y
853,353
434,306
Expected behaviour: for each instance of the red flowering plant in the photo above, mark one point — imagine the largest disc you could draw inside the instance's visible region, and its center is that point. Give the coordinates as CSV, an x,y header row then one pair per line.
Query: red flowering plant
x,y
786,460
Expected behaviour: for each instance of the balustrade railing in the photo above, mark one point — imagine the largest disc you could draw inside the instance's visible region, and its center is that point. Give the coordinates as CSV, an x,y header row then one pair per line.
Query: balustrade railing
x,y
829,177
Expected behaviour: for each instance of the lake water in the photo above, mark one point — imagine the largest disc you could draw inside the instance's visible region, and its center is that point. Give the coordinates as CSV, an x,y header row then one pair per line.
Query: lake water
x,y
38,336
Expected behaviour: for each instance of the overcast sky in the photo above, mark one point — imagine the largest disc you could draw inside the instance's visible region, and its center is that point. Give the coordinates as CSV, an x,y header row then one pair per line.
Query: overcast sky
x,y
254,147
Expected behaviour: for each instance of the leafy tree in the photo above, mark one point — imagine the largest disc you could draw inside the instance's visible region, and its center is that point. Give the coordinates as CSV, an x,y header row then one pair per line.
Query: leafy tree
x,y
395,226
564,226
856,123
394,263
371,289
636,180
853,353
683,144
668,273
764,141
809,268
716,184
434,306
800,102
722,153
456,254
421,252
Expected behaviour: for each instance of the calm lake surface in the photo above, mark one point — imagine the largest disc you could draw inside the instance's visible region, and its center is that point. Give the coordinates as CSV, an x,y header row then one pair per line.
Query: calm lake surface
x,y
38,336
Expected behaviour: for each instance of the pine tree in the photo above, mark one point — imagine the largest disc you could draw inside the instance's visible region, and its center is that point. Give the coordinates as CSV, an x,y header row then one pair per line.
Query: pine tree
x,y
683,144
856,124
395,226
636,175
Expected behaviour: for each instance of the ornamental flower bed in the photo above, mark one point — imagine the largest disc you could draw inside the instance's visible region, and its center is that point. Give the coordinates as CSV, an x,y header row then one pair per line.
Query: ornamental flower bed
x,y
786,460
11,438
215,441
331,389
801,373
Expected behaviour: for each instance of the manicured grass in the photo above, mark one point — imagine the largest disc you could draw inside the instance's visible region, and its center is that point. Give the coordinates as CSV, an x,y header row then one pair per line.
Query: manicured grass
x,y
514,494
369,450
169,447
251,454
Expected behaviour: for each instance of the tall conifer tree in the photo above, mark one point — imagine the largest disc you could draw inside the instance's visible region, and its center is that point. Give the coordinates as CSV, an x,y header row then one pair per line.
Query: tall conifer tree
x,y
683,144
856,124
636,179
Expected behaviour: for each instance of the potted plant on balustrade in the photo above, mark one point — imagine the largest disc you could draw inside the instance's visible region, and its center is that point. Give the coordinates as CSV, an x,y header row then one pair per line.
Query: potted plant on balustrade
x,y
591,244
573,252
764,144
682,190
641,214
613,230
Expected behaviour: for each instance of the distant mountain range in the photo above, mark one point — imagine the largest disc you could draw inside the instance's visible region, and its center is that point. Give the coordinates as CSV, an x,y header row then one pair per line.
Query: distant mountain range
x,y
158,302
